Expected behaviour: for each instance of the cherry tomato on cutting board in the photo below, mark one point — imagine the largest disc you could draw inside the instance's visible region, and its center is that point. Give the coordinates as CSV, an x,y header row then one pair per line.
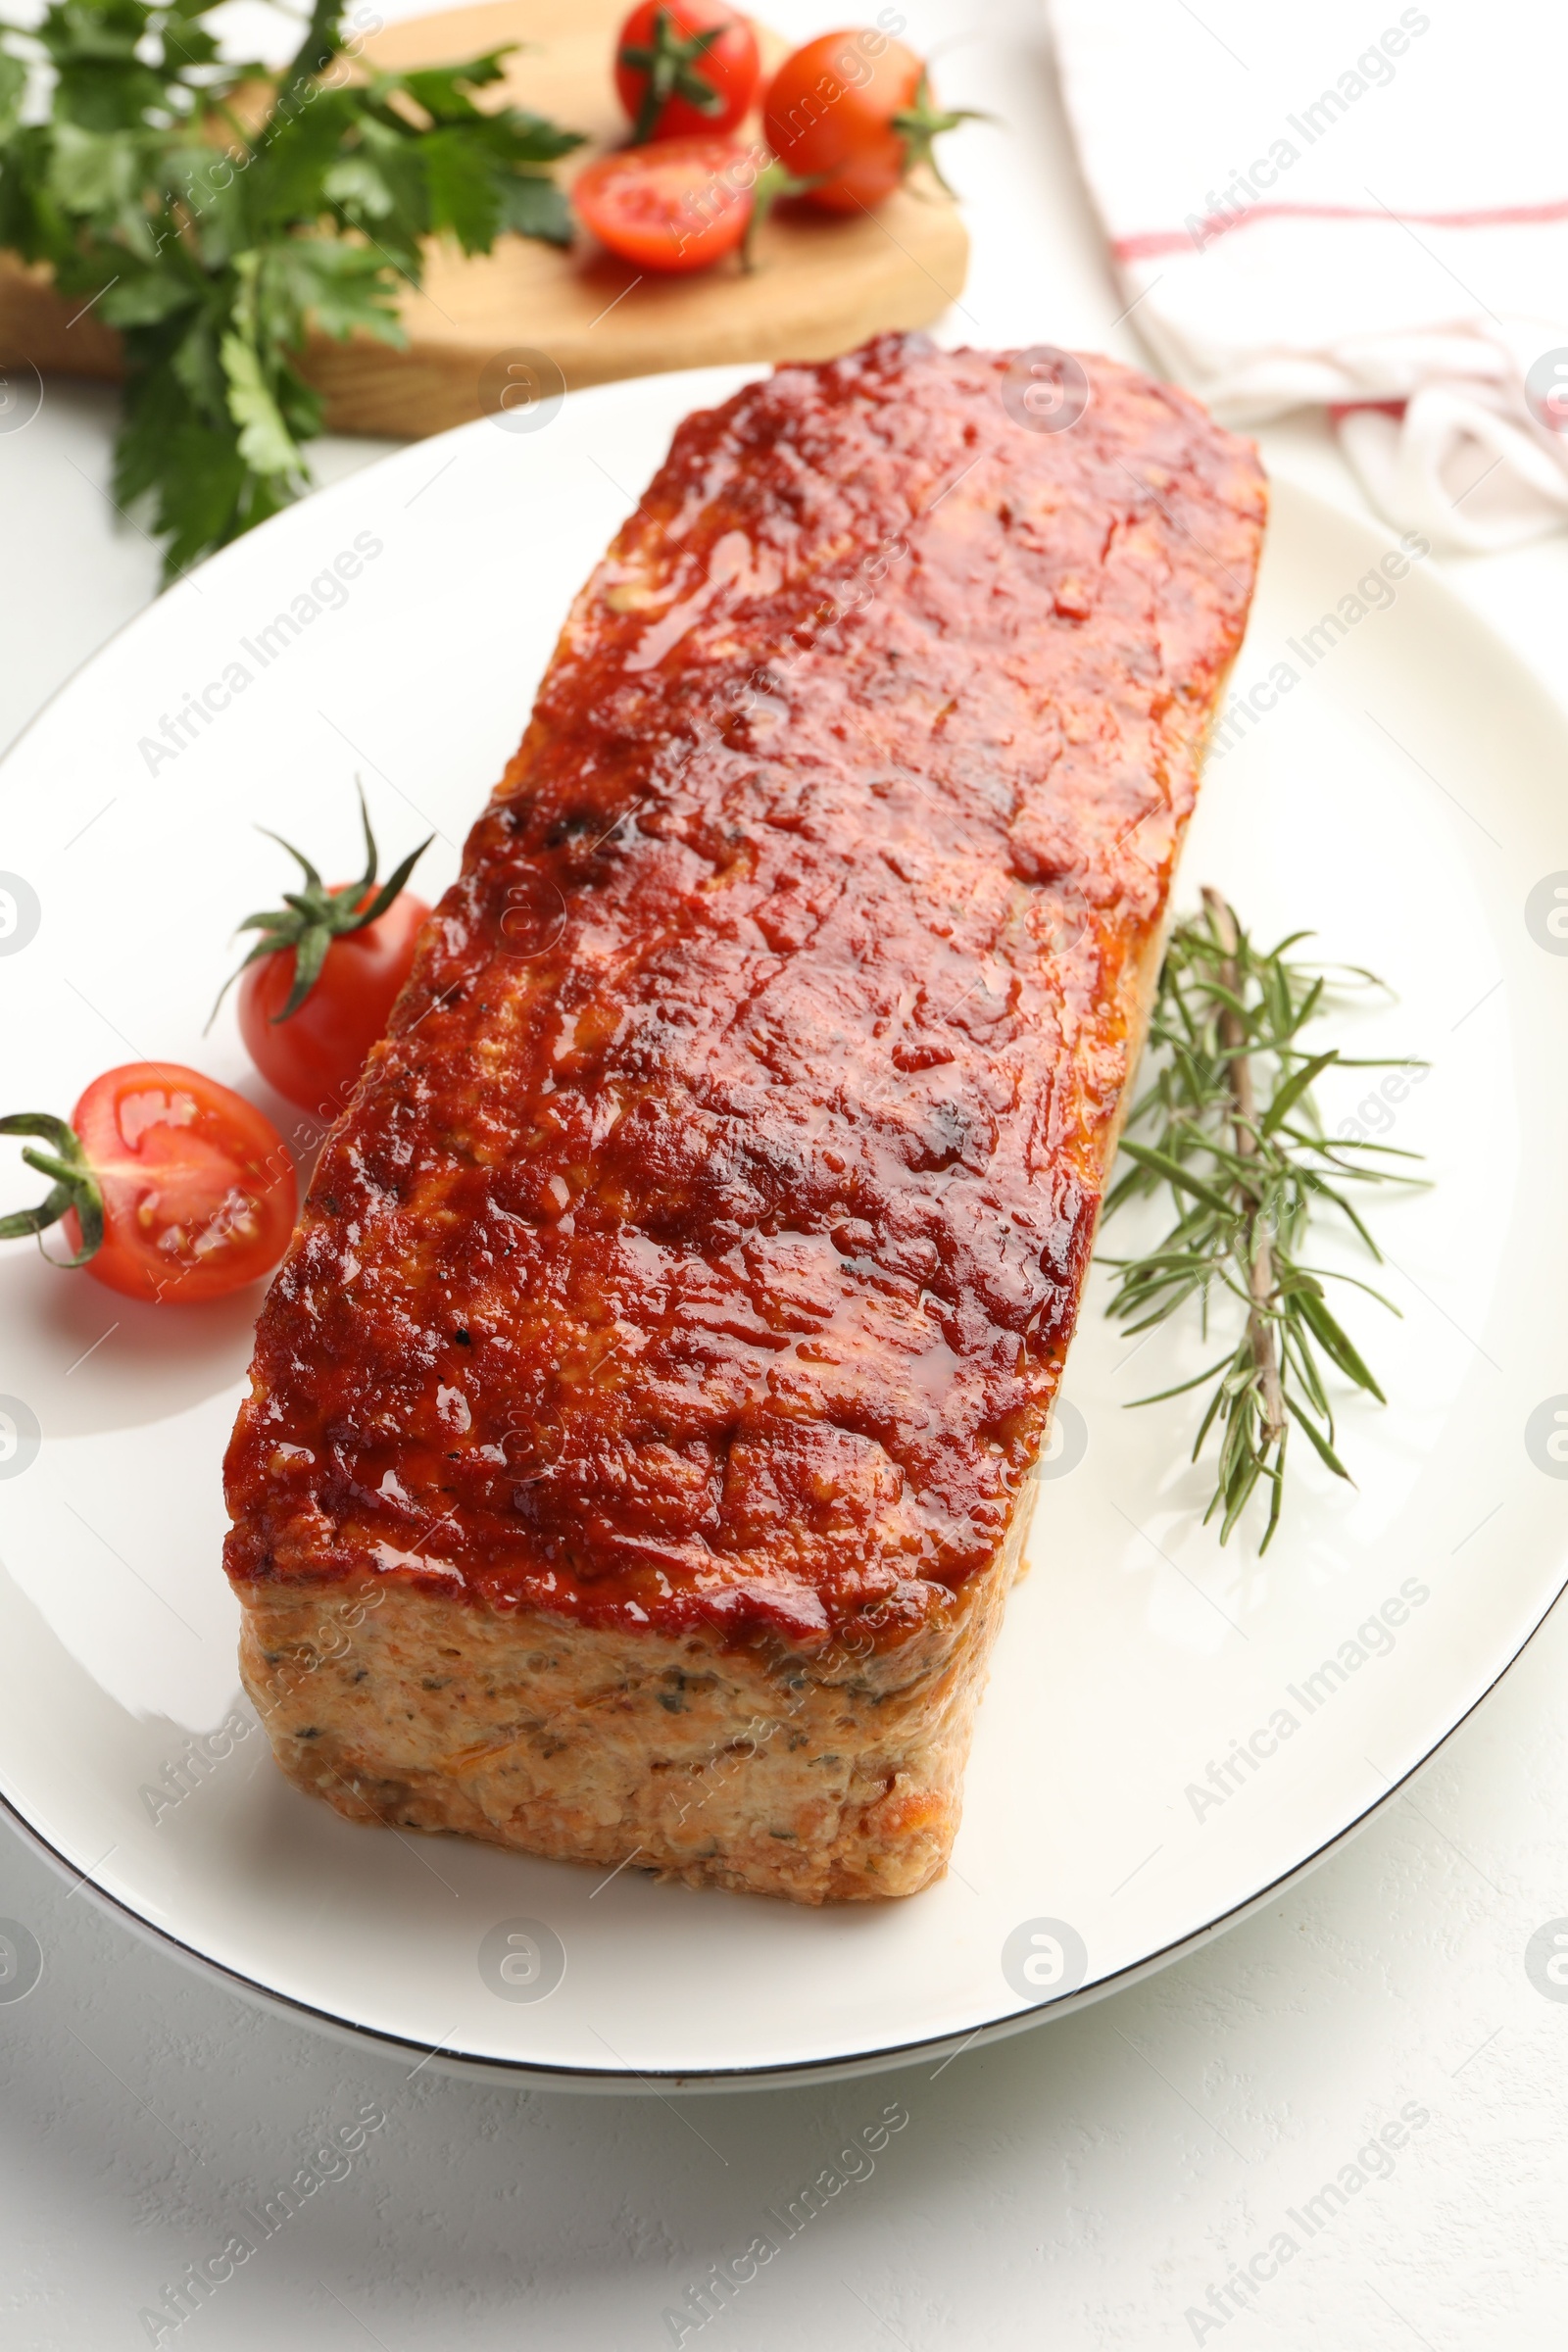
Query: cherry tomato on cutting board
x,y
168,1187
317,989
685,67
678,205
852,113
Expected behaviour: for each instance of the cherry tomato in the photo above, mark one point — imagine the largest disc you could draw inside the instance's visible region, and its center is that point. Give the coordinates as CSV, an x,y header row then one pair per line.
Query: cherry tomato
x,y
317,986
177,1188
678,205
314,1054
852,112
685,68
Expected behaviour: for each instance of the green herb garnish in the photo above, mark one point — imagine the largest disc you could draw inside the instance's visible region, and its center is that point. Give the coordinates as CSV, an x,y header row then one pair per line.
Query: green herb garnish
x,y
1235,1136
211,212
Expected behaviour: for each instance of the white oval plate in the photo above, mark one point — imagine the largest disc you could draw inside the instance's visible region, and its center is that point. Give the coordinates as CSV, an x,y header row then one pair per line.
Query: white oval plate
x,y
1171,1730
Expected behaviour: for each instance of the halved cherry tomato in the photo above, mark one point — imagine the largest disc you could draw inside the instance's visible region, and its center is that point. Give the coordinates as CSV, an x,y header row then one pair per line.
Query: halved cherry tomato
x,y
167,1186
313,1055
678,205
684,68
852,114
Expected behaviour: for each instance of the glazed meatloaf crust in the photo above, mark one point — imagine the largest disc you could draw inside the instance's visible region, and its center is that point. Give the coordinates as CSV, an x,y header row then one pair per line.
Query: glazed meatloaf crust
x,y
641,1428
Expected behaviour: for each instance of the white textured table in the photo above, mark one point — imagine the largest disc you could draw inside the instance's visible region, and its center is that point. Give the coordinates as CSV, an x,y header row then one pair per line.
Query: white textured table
x,y
1094,2184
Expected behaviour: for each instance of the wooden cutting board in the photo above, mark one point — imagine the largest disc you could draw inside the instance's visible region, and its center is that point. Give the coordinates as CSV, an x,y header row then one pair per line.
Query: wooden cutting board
x,y
822,283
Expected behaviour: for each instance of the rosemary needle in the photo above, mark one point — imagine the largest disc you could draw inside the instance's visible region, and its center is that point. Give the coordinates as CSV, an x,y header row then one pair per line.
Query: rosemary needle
x,y
1230,1128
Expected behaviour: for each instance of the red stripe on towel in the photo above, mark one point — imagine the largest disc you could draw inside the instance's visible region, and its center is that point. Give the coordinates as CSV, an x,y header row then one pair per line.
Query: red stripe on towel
x,y
1150,244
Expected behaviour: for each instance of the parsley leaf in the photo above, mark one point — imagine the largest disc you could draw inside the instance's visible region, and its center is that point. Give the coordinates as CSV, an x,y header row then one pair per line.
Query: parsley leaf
x,y
215,212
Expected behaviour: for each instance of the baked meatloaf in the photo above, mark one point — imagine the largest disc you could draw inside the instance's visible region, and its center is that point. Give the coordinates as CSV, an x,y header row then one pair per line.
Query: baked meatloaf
x,y
640,1435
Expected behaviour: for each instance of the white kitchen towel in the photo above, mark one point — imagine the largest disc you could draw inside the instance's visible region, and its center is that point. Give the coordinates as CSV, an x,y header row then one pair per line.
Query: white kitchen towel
x,y
1359,204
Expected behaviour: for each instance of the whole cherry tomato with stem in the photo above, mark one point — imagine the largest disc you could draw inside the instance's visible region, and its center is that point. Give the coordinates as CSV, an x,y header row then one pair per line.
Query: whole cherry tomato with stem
x,y
685,67
851,114
168,1187
318,987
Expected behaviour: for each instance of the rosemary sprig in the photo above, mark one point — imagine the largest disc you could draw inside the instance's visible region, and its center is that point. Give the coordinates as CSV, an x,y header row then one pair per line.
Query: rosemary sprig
x,y
1234,1134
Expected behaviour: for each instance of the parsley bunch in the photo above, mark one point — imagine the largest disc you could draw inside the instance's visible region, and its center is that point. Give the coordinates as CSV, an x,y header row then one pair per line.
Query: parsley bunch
x,y
212,211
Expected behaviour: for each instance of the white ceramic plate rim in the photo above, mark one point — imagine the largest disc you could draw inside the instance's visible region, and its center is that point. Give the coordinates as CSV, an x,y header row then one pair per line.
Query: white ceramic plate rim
x,y
536,2075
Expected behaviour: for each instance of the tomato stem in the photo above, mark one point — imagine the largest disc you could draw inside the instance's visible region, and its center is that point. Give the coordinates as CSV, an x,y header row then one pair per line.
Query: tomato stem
x,y
921,124
311,917
670,64
73,1185
772,181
